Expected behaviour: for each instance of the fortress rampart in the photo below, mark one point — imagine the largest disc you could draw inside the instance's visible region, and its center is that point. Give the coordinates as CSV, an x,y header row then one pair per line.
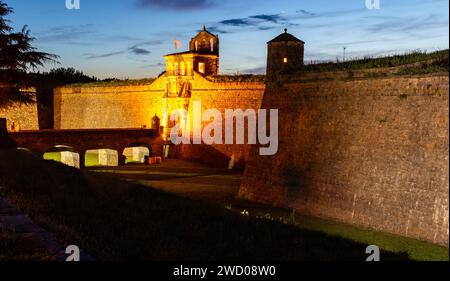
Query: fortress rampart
x,y
98,107
370,152
26,116
92,107
222,96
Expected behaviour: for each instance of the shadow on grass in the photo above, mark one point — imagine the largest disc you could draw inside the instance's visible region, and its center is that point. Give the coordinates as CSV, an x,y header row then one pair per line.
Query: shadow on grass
x,y
115,220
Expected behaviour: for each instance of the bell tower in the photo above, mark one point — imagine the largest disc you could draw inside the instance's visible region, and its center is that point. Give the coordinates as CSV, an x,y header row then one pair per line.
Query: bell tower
x,y
205,43
206,47
201,58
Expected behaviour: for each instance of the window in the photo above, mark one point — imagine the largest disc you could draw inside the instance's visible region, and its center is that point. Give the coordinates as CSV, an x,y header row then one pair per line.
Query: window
x,y
196,45
285,60
211,43
189,68
201,67
183,69
170,69
177,69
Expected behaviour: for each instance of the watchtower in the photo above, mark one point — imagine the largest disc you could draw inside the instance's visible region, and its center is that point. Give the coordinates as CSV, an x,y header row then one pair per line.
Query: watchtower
x,y
285,54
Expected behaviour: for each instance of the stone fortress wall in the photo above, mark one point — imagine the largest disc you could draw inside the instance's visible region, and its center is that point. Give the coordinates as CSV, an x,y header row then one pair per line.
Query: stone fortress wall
x,y
98,107
221,96
369,152
26,116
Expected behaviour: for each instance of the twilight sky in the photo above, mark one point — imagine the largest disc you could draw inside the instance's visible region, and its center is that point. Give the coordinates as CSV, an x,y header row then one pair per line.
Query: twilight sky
x,y
127,39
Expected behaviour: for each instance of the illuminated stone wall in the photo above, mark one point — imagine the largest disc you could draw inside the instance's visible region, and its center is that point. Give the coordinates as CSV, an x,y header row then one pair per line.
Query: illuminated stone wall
x,y
370,152
94,107
98,107
25,115
221,96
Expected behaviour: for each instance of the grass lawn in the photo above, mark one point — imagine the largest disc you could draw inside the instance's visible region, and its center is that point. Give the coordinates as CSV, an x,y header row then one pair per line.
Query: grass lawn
x,y
440,63
416,249
117,220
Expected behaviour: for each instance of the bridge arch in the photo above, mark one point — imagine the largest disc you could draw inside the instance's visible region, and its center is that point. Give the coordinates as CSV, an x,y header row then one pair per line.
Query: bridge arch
x,y
65,154
79,141
106,157
137,152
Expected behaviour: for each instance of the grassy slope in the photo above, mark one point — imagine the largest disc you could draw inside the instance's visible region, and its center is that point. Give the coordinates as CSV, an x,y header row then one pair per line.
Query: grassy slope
x,y
417,250
115,220
437,62
19,248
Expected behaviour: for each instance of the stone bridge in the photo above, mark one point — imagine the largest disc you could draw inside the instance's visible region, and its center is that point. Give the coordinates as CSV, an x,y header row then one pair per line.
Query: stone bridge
x,y
80,141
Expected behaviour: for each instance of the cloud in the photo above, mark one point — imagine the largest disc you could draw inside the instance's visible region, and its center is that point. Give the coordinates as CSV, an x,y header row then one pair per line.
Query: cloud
x,y
178,5
69,34
82,35
254,22
105,55
217,30
135,50
266,27
236,22
277,18
139,51
305,12
154,65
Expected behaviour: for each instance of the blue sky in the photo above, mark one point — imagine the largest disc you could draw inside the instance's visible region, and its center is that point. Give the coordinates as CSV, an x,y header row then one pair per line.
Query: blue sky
x,y
127,39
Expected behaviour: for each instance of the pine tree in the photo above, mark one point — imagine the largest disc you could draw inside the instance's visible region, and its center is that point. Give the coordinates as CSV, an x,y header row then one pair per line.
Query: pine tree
x,y
17,56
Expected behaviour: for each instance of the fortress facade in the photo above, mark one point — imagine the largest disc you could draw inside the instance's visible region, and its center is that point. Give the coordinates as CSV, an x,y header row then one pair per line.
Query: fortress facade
x,y
189,76
354,146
